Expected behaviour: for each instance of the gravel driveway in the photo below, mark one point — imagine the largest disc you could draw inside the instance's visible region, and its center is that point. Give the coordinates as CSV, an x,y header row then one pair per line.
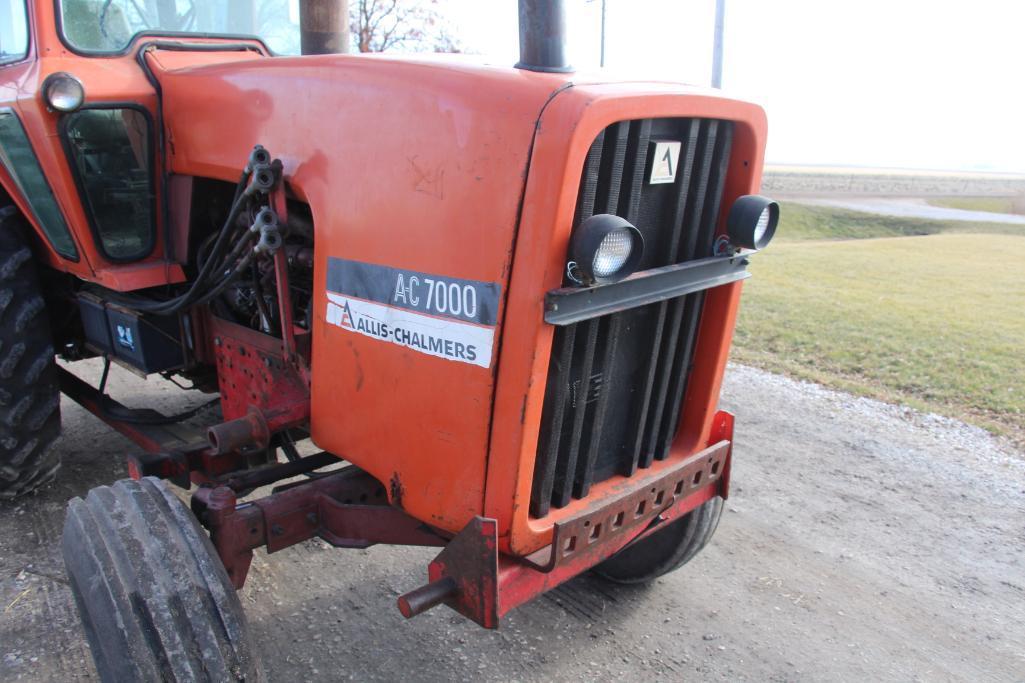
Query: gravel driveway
x,y
862,541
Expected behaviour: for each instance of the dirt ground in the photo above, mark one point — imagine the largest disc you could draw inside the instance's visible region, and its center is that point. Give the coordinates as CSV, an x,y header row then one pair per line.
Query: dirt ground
x,y
862,541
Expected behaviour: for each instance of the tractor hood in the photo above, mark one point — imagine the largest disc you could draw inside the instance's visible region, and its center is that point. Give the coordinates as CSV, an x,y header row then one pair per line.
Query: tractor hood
x,y
429,351
409,168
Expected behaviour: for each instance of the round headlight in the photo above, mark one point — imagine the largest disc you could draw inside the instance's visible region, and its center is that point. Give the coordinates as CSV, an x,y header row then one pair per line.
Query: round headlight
x,y
63,92
605,249
613,253
752,221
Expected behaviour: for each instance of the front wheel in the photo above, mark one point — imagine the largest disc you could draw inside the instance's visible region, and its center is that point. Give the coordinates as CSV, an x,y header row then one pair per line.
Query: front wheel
x,y
665,550
154,599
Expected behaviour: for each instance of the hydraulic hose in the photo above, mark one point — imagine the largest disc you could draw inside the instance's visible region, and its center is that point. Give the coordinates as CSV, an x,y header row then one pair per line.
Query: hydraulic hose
x,y
210,265
201,282
223,284
206,286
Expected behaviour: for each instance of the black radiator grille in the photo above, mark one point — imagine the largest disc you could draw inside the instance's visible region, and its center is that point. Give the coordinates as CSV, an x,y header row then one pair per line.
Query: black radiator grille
x,y
616,383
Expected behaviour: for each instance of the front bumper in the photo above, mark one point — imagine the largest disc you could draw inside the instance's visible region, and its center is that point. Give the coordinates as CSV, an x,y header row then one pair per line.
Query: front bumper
x,y
474,578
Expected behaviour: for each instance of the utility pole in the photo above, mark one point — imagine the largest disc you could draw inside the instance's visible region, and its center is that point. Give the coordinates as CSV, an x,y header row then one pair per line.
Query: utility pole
x,y
720,16
601,61
324,26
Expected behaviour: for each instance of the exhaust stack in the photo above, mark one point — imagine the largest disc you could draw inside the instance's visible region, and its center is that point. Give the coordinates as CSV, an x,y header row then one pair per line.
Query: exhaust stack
x,y
324,26
543,36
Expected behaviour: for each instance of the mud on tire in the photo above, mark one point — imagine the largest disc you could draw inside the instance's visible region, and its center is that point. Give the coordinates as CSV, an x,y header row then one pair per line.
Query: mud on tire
x,y
155,601
29,395
666,550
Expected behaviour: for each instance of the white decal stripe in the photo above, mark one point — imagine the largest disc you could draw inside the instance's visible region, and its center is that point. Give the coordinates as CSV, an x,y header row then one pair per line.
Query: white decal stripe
x,y
450,339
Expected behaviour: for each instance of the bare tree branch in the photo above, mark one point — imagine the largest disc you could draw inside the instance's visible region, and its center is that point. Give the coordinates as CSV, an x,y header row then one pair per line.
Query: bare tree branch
x,y
415,25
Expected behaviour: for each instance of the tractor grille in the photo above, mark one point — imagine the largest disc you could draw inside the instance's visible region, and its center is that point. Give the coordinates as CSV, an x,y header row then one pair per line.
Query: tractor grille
x,y
616,383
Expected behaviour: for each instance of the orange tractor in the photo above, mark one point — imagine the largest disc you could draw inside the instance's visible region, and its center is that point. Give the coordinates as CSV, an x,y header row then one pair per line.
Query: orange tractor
x,y
504,297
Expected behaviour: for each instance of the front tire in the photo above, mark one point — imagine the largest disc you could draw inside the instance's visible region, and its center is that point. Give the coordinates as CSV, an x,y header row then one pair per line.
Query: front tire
x,y
665,550
29,395
154,599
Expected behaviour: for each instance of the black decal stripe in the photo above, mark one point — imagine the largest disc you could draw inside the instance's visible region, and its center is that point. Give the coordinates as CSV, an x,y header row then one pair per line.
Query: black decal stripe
x,y
377,283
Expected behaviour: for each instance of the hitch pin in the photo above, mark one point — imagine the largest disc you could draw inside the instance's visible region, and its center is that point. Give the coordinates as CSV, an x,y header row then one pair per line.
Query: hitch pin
x,y
419,600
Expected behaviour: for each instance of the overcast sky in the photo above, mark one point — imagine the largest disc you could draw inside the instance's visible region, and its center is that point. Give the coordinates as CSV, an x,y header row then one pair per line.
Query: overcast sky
x,y
899,83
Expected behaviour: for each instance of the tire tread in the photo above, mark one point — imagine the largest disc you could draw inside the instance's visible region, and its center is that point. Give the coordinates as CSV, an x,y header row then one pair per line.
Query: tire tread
x,y
29,395
156,603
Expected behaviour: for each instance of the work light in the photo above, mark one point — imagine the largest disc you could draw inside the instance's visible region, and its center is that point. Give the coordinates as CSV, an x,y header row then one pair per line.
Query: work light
x,y
752,221
605,248
63,92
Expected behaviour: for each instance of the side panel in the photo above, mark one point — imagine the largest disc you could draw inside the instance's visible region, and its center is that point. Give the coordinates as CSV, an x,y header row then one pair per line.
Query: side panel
x,y
413,173
18,84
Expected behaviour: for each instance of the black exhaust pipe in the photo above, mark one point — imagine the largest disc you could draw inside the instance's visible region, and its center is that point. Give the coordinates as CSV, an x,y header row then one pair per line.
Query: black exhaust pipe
x,y
324,26
543,36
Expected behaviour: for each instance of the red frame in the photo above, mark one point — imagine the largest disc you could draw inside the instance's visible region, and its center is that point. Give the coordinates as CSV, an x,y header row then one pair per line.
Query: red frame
x,y
349,510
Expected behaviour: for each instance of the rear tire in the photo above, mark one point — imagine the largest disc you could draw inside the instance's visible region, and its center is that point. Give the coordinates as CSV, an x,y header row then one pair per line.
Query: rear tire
x,y
155,601
29,396
666,550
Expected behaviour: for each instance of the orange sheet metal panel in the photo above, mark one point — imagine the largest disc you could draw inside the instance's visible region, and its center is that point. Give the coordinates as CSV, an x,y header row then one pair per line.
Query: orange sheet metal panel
x,y
569,125
414,174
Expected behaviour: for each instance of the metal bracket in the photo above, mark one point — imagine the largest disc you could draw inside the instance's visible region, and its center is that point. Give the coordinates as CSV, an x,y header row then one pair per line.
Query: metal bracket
x,y
584,533
570,305
471,577
463,576
347,508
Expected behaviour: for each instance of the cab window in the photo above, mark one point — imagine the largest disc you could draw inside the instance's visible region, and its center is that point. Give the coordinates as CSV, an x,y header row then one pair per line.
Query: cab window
x,y
17,157
109,26
13,31
110,154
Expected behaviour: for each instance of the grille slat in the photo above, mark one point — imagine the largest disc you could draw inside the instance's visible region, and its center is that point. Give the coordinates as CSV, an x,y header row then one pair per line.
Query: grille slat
x,y
699,189
555,396
687,155
611,163
567,472
654,379
666,363
671,361
586,471
589,184
720,166
690,309
637,163
629,202
711,204
647,391
616,383
612,175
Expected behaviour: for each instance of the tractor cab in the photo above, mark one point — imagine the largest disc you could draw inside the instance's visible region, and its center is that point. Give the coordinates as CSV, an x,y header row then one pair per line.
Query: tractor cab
x,y
80,123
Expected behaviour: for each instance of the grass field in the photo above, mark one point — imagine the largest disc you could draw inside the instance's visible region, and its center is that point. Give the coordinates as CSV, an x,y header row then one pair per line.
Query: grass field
x,y
989,204
927,313
801,222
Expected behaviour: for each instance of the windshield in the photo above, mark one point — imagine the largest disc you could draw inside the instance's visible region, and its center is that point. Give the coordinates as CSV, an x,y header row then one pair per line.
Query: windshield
x,y
13,30
110,25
